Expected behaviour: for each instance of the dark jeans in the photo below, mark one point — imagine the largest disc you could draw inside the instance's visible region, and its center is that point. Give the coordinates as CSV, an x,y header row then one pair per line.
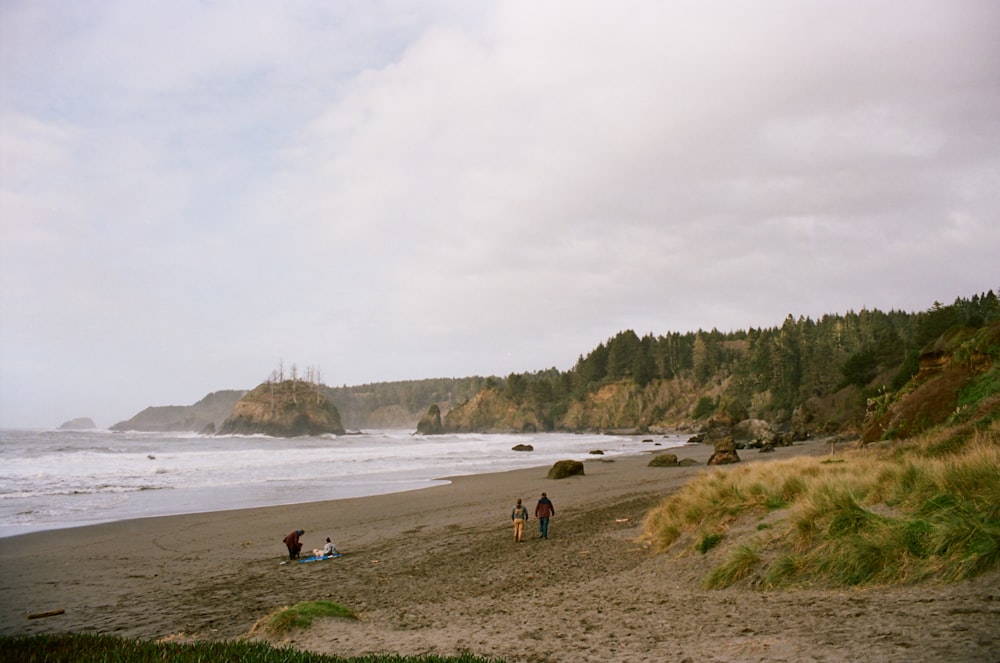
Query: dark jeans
x,y
543,527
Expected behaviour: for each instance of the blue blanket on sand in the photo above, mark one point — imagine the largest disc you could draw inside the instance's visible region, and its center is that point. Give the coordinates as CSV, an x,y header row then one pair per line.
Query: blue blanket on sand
x,y
319,559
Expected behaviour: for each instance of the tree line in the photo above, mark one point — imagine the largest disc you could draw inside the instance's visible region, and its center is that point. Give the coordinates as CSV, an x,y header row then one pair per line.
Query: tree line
x,y
777,368
770,370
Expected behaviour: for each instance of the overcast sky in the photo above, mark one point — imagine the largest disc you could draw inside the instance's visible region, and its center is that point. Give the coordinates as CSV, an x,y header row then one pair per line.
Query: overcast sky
x,y
193,192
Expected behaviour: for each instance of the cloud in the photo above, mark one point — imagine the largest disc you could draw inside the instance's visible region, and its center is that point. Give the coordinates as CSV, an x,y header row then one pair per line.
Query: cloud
x,y
191,192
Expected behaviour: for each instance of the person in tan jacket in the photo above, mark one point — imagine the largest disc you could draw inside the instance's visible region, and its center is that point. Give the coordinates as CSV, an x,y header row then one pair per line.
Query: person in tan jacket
x,y
520,516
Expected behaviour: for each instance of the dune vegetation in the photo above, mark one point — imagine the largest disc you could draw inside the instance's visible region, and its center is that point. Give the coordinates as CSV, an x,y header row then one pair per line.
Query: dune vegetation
x,y
917,500
300,615
927,508
90,648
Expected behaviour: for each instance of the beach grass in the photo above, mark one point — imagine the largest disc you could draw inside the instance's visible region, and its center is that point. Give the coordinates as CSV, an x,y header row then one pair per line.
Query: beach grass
x,y
301,615
894,513
88,648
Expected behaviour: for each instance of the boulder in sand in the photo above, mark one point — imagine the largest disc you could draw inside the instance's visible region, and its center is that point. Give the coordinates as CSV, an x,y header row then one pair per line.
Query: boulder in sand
x,y
663,460
565,468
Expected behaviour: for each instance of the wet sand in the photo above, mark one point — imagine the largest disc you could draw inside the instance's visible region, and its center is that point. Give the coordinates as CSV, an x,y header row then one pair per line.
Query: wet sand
x,y
437,571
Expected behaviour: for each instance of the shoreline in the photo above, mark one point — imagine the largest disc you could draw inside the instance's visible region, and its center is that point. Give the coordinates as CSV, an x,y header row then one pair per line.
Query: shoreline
x,y
698,451
156,477
435,570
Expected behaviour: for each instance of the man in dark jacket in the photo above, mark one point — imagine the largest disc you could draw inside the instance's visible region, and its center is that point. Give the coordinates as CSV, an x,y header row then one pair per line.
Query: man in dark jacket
x,y
543,511
293,543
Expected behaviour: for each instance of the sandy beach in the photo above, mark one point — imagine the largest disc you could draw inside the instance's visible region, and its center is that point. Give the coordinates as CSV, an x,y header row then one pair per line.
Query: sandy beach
x,y
437,571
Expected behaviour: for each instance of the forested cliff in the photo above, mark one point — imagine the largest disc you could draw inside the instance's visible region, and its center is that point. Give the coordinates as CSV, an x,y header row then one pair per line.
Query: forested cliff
x,y
805,376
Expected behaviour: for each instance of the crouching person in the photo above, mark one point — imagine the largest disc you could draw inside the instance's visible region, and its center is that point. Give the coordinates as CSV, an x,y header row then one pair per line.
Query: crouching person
x,y
293,543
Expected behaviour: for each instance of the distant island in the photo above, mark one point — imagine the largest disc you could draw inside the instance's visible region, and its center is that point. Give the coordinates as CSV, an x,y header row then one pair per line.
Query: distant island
x,y
80,423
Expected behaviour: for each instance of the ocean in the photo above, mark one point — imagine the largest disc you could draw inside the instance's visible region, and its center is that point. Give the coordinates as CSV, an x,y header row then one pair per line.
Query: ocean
x,y
56,479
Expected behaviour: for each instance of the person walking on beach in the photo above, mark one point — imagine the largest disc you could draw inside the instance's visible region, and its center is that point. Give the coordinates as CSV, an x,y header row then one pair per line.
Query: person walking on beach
x,y
543,511
520,516
292,542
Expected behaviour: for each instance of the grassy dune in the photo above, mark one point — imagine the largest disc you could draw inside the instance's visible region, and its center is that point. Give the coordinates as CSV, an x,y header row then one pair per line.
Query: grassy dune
x,y
894,512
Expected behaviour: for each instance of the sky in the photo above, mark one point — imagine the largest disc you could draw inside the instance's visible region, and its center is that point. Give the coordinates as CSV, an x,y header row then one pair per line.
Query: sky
x,y
194,193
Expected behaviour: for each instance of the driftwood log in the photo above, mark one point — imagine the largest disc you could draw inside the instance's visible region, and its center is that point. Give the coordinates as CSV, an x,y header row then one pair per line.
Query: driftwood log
x,y
47,613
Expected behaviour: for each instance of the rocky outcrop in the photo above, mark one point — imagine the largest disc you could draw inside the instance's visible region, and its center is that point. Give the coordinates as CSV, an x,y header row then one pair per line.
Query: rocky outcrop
x,y
522,447
284,409
565,468
490,411
725,452
430,423
80,423
624,406
611,407
755,433
212,409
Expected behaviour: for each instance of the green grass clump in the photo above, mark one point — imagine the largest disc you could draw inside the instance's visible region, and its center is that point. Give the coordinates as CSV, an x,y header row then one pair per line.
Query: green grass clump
x,y
301,615
979,389
949,445
85,648
911,511
785,570
740,564
708,542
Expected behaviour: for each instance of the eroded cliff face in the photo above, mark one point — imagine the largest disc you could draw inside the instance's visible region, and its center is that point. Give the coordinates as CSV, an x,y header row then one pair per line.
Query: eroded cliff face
x,y
490,411
960,362
617,406
284,409
665,404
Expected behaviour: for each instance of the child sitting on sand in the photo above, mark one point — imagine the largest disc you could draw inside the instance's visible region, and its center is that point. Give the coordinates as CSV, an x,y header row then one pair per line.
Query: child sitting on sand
x,y
329,550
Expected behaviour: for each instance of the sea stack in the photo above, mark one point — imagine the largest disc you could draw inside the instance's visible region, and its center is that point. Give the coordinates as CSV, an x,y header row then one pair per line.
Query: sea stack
x,y
290,408
430,423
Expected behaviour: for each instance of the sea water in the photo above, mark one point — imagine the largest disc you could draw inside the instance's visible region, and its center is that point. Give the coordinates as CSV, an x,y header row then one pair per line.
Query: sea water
x,y
57,479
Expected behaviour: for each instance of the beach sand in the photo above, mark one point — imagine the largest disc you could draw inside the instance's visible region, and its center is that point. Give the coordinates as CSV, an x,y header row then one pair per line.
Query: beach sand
x,y
437,571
